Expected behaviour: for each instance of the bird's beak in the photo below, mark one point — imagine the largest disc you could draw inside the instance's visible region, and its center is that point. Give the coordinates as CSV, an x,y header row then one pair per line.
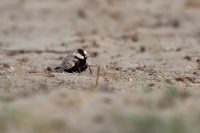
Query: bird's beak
x,y
87,55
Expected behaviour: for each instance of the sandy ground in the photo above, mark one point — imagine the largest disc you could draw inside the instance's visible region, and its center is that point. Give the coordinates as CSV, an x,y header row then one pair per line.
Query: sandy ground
x,y
145,49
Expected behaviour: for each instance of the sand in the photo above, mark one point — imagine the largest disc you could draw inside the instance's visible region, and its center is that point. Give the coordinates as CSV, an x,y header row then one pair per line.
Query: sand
x,y
143,48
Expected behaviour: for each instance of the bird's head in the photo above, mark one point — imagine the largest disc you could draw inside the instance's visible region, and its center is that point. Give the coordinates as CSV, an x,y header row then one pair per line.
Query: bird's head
x,y
81,54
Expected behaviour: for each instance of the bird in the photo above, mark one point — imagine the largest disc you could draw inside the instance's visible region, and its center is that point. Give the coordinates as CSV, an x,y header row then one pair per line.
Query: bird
x,y
74,62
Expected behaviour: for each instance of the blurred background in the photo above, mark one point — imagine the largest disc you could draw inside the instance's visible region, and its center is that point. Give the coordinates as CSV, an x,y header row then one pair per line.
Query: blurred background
x,y
51,20
148,52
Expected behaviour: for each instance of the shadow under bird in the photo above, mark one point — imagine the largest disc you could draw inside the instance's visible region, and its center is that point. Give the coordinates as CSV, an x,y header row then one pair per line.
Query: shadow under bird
x,y
74,62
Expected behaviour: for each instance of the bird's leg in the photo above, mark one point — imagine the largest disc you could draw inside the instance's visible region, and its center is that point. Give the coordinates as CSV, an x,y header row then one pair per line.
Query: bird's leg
x,y
79,69
90,69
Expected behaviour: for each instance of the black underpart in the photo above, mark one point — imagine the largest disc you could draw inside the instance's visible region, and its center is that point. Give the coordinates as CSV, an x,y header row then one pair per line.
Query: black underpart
x,y
76,69
79,66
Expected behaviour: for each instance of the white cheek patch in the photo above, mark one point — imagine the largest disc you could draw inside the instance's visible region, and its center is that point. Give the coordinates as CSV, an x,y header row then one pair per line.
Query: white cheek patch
x,y
85,52
78,55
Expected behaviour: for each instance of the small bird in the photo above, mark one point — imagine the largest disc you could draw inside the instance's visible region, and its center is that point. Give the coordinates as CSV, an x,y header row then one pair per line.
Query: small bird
x,y
74,62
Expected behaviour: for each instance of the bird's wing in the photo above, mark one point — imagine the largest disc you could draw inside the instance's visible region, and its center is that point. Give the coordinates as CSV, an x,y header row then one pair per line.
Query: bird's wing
x,y
68,62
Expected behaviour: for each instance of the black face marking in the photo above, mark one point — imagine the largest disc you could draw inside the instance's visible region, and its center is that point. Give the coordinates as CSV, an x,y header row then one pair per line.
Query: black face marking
x,y
82,52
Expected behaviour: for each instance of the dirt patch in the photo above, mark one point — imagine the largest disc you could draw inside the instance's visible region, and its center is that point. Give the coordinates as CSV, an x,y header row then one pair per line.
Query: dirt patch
x,y
147,52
